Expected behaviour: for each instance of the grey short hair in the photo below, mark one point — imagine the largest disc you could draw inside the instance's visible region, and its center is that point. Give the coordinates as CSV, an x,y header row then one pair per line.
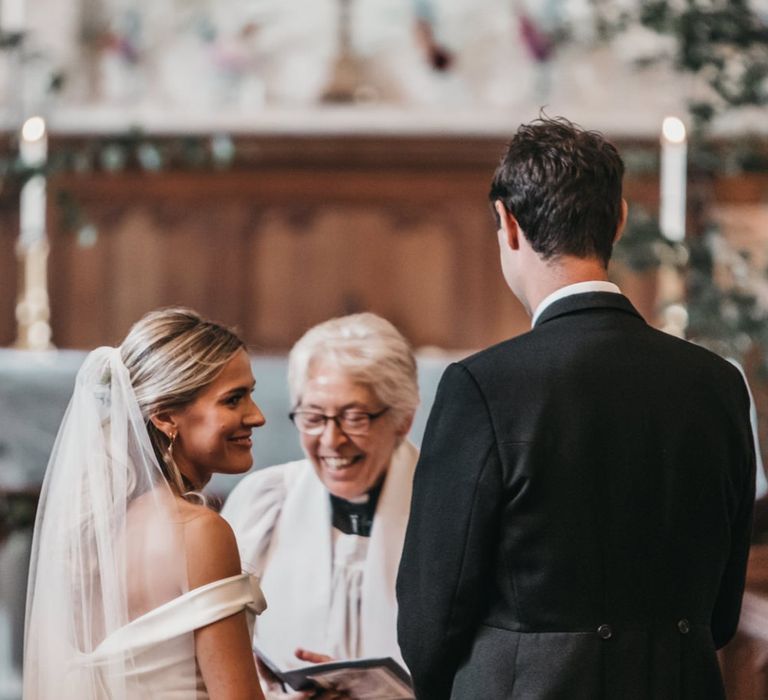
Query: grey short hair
x,y
370,350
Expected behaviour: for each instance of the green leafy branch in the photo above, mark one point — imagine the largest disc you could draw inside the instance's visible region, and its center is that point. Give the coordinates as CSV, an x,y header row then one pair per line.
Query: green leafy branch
x,y
724,42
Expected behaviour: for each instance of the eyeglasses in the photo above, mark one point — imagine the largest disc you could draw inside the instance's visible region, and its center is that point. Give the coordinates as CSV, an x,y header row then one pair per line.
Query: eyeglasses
x,y
350,422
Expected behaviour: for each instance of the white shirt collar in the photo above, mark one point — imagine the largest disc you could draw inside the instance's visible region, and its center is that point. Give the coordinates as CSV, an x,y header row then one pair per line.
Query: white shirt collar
x,y
569,289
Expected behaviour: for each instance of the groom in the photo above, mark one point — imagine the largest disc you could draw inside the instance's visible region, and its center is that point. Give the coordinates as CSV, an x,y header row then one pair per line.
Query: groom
x,y
581,510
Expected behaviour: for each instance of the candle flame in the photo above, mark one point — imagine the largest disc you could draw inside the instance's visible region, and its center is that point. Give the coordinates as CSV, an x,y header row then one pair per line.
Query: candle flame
x,y
33,129
673,130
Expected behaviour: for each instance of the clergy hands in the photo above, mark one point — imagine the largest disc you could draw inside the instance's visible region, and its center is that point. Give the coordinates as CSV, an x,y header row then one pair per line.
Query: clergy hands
x,y
275,690
314,658
311,656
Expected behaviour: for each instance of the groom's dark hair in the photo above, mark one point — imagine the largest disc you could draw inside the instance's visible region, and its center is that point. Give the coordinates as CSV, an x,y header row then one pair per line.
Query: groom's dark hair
x,y
564,187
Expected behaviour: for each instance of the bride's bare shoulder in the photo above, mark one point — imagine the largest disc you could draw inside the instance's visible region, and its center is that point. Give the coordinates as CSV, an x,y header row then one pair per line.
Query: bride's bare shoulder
x,y
204,537
210,545
190,510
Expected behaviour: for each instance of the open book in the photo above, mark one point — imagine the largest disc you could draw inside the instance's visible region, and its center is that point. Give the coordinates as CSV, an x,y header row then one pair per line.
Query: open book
x,y
361,679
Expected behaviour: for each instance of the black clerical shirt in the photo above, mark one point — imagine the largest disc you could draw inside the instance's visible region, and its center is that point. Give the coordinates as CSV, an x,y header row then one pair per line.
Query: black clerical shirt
x,y
355,518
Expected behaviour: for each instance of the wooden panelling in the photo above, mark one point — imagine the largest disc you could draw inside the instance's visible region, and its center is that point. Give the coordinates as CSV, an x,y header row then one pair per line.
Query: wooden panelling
x,y
276,256
745,659
305,230
9,227
300,229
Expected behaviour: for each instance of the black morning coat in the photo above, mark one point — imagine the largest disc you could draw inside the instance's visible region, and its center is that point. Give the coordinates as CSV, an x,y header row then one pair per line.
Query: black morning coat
x,y
581,516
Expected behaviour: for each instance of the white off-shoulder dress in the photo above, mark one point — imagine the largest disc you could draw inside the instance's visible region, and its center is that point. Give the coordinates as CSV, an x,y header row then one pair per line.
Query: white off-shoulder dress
x,y
156,653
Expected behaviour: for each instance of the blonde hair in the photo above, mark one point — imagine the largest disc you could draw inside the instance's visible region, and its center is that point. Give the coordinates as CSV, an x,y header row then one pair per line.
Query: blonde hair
x,y
171,354
366,347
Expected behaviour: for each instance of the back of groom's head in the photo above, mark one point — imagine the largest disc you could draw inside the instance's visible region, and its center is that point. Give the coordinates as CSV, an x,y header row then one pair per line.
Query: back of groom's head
x,y
564,187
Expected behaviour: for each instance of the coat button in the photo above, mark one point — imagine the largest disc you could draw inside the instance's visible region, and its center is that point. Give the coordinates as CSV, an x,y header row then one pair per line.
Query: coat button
x,y
604,632
684,626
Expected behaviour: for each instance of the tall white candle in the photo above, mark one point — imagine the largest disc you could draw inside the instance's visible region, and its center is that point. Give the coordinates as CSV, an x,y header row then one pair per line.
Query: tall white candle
x,y
674,154
33,149
12,16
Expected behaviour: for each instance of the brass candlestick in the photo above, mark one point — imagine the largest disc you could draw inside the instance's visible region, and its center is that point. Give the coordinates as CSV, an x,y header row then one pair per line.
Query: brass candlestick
x,y
33,309
33,330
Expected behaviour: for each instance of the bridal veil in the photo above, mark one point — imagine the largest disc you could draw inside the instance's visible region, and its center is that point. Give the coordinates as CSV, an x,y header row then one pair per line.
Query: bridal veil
x,y
108,543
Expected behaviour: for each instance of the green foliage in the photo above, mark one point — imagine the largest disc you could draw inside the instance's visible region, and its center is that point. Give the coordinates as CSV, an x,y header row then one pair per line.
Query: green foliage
x,y
17,512
726,297
643,247
10,41
725,308
724,42
131,151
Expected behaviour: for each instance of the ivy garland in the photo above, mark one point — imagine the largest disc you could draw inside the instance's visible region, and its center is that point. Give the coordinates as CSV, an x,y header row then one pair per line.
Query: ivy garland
x,y
723,42
729,316
131,151
17,512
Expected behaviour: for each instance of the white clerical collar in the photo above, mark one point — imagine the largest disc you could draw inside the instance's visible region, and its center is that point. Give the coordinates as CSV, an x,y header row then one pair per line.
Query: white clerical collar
x,y
568,290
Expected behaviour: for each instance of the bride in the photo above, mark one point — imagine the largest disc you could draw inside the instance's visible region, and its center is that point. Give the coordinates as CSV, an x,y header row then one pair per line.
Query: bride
x,y
135,586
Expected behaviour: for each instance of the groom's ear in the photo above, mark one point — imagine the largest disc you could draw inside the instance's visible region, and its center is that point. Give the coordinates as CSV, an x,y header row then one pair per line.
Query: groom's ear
x,y
509,229
622,220
165,422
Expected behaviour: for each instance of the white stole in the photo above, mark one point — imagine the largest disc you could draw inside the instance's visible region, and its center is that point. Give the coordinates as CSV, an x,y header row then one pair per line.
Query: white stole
x,y
297,574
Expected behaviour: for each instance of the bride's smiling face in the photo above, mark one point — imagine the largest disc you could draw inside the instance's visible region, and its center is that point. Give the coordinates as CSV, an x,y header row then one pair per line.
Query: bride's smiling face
x,y
213,433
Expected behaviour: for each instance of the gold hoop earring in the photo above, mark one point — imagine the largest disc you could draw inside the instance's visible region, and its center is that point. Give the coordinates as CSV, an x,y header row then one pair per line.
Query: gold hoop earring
x,y
171,471
171,441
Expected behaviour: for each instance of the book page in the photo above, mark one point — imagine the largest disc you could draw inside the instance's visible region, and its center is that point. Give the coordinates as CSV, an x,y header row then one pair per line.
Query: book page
x,y
376,683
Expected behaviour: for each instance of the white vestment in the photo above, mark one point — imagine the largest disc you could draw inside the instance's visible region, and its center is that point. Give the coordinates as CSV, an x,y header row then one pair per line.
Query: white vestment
x,y
282,520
